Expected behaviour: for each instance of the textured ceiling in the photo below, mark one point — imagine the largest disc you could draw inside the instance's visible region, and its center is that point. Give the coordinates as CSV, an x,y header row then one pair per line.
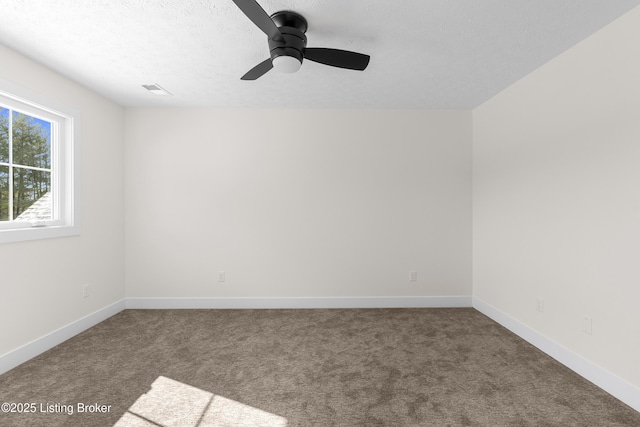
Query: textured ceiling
x,y
436,54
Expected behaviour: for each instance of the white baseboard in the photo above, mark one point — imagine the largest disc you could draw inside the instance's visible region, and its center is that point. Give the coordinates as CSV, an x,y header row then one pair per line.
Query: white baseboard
x,y
335,302
30,350
604,379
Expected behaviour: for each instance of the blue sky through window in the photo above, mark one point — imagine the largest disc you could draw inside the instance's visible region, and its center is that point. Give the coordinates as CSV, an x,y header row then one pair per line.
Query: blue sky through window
x,y
35,125
4,138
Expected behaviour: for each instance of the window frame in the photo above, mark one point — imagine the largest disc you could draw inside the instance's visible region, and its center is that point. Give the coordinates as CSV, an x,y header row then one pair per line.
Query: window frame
x,y
65,167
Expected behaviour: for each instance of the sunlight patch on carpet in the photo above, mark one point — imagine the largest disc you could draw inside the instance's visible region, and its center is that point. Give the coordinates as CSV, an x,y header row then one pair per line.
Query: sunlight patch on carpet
x,y
171,403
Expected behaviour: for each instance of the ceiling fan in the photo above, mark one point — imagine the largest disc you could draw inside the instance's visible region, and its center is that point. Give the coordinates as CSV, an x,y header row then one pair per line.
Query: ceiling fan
x,y
288,43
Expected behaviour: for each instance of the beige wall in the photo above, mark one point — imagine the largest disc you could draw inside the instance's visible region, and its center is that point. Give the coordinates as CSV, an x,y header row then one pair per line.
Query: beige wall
x,y
557,199
41,281
320,203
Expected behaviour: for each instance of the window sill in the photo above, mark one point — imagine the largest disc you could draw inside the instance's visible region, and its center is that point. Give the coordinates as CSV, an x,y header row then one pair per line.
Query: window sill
x,y
36,233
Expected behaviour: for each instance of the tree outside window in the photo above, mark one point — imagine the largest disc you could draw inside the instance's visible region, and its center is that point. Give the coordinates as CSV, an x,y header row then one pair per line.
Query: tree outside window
x,y
25,167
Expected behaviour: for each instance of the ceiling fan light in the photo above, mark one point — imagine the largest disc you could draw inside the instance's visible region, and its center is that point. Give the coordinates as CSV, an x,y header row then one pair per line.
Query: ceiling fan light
x,y
286,64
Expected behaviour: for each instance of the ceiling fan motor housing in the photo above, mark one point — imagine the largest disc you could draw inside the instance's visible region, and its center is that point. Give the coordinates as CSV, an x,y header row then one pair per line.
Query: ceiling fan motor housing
x,y
292,26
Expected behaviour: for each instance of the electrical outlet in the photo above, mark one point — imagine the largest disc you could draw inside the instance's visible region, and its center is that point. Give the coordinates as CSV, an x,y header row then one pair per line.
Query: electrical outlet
x,y
221,276
413,276
587,325
540,305
85,290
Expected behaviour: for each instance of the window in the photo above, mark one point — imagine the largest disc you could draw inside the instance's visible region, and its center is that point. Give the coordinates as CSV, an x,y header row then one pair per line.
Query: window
x,y
38,165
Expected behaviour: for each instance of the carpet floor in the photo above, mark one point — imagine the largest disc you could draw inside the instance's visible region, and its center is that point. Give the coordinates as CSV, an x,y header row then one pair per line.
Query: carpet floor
x,y
287,368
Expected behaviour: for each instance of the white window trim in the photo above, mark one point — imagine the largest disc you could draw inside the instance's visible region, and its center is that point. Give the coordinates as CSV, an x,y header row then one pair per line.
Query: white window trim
x,y
66,159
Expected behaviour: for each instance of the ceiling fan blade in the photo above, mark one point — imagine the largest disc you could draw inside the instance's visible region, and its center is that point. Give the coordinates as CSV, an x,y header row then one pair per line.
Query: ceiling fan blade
x,y
258,16
337,58
258,71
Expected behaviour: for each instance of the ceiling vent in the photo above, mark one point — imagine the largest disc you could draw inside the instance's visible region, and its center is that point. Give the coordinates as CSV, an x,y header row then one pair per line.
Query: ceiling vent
x,y
156,89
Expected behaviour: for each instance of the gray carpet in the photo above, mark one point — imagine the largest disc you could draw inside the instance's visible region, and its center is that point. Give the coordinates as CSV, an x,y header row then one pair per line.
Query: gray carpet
x,y
361,367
